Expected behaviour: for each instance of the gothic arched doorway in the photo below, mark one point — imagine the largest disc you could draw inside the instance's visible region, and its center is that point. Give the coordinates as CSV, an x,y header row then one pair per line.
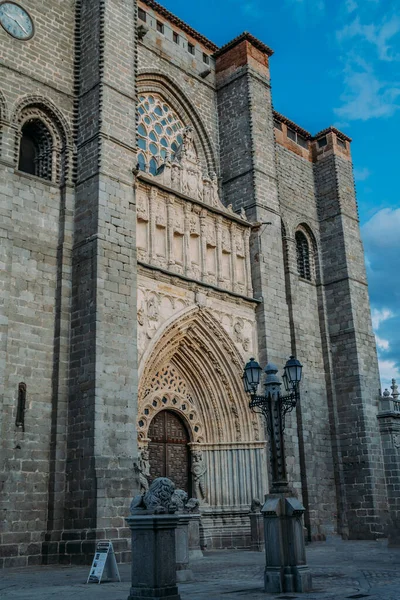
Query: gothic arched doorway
x,y
169,453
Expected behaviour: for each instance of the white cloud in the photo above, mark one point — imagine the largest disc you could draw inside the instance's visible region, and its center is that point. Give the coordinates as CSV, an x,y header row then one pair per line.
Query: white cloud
x,y
383,229
366,96
388,371
380,316
361,174
379,35
381,343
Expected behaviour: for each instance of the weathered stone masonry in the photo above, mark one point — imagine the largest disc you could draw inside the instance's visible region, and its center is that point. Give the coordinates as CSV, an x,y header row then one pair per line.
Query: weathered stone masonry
x,y
129,290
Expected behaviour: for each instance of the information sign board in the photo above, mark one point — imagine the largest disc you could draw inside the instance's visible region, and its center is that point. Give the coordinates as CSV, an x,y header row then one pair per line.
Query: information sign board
x,y
104,558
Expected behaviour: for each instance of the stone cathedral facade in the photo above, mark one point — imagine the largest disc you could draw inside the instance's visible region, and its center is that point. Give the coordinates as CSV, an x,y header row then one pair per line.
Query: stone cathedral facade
x,y
160,224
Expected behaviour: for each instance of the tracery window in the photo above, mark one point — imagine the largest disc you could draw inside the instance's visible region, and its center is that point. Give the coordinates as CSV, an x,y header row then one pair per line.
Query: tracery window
x,y
36,150
303,256
159,132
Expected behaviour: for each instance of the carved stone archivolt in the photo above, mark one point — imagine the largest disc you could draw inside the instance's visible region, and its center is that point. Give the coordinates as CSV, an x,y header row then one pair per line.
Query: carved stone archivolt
x,y
196,348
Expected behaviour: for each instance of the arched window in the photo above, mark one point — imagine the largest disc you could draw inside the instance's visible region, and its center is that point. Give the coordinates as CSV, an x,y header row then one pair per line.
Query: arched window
x,y
303,256
159,132
36,150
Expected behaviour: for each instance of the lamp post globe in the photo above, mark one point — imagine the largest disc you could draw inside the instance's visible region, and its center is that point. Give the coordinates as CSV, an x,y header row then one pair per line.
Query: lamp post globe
x,y
292,373
251,376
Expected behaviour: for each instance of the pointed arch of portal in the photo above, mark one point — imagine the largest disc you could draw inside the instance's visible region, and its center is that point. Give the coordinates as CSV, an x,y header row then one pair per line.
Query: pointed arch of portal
x,y
199,352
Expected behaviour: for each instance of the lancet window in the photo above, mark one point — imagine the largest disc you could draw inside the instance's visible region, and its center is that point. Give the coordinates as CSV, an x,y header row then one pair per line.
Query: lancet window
x,y
303,256
159,132
36,150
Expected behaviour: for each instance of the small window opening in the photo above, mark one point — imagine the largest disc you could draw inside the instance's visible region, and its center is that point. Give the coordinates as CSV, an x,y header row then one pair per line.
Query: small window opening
x,y
175,37
303,256
322,142
190,48
142,14
206,58
291,134
341,143
36,150
160,27
278,125
20,418
302,141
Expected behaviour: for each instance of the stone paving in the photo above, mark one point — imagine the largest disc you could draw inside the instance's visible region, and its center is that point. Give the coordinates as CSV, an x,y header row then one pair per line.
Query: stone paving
x,y
340,570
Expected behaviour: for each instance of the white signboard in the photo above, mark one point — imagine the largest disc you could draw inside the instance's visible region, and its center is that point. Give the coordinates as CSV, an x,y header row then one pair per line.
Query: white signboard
x,y
104,557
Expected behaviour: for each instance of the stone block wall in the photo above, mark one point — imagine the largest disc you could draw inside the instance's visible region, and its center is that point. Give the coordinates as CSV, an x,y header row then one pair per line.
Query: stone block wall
x,y
313,472
36,242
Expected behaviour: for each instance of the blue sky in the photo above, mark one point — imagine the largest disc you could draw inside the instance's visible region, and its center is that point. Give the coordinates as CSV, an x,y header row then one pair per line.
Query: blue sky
x,y
337,62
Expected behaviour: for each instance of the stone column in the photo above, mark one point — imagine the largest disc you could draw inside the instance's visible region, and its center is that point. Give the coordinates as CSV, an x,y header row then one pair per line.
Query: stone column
x,y
203,244
183,571
389,424
153,557
170,231
152,224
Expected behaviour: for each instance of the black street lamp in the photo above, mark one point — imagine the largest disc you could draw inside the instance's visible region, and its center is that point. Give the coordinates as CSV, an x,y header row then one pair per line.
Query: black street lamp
x,y
274,407
285,556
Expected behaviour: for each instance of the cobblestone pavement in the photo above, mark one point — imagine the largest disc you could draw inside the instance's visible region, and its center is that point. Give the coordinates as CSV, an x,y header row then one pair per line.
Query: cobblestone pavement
x,y
340,570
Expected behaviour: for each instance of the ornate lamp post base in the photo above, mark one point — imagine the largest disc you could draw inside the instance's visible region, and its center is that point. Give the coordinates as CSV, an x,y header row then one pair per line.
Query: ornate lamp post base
x,y
286,569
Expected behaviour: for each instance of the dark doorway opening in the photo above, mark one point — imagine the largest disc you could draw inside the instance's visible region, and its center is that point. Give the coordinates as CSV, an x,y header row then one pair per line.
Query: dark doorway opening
x,y
169,451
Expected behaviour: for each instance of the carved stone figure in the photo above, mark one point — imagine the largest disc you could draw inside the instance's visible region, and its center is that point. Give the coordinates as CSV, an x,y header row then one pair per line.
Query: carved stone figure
x,y
188,143
238,331
144,469
255,505
180,498
214,190
153,309
157,499
199,470
140,316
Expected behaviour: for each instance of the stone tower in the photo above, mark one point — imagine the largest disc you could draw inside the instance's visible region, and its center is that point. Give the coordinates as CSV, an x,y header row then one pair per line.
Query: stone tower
x,y
69,282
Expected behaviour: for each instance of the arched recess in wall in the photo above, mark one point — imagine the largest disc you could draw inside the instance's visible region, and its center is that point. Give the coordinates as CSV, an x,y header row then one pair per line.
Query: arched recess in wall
x,y
157,83
194,356
306,253
42,124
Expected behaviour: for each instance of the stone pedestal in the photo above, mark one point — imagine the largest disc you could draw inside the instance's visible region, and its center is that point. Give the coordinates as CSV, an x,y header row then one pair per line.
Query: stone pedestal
x,y
153,557
286,569
194,538
257,531
183,571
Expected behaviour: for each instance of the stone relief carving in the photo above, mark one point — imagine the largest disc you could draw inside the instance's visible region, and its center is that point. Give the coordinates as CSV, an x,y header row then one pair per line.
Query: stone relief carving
x,y
144,469
142,206
183,172
199,470
396,440
239,336
153,314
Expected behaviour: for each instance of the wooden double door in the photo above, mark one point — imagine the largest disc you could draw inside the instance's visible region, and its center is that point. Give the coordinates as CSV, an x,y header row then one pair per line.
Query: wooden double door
x,y
169,452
